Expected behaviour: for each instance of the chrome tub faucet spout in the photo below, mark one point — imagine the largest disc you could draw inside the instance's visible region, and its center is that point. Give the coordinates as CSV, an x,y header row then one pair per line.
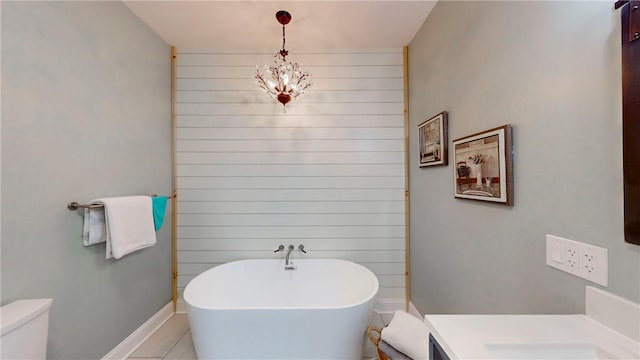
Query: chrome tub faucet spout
x,y
287,265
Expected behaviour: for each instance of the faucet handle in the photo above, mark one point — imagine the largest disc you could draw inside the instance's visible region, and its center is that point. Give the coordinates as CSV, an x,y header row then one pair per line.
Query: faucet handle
x,y
280,248
301,248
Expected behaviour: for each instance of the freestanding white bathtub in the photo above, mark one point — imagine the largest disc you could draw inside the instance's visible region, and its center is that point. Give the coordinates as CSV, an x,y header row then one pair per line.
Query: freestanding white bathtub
x,y
254,309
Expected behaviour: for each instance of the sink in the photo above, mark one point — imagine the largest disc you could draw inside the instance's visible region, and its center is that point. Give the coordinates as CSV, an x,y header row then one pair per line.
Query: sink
x,y
547,351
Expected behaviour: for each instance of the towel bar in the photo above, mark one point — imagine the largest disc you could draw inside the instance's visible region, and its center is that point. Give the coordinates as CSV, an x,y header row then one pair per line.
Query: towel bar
x,y
74,205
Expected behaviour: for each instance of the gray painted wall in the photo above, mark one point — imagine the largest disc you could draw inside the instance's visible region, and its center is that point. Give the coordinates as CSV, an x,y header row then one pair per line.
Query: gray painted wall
x,y
85,114
552,70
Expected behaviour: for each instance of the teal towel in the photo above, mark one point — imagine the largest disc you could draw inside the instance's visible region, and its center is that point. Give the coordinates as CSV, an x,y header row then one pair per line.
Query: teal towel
x,y
159,208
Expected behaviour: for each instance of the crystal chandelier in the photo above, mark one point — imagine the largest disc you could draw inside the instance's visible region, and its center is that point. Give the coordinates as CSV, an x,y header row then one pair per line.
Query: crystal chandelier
x,y
283,80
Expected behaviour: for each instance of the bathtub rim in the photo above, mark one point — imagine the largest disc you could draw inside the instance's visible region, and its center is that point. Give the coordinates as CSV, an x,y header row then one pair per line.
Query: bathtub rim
x,y
366,299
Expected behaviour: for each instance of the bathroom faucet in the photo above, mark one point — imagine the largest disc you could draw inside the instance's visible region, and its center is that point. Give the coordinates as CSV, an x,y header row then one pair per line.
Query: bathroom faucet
x,y
287,262
288,266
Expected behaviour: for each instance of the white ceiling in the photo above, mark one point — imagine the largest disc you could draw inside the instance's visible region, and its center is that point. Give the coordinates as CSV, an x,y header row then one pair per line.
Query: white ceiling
x,y
251,25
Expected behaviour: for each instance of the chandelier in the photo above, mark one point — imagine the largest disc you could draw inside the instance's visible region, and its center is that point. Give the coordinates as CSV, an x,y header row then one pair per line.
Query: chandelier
x,y
283,80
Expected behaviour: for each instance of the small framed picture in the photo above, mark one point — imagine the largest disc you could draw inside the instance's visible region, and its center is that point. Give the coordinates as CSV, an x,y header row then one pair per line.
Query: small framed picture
x,y
483,168
433,141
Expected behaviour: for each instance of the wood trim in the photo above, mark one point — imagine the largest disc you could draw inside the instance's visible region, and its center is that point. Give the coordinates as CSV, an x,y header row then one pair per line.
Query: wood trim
x,y
174,234
407,235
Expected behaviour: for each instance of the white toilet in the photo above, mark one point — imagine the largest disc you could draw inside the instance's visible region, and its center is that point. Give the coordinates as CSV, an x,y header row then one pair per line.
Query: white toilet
x,y
25,327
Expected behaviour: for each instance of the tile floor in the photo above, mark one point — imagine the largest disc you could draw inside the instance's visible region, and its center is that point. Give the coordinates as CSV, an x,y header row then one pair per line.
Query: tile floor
x,y
172,341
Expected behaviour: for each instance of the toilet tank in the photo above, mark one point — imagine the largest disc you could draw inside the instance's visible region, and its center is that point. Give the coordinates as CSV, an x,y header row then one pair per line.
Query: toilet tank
x,y
25,327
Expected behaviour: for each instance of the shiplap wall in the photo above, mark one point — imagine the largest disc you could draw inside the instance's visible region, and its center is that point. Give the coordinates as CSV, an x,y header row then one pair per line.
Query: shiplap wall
x,y
328,173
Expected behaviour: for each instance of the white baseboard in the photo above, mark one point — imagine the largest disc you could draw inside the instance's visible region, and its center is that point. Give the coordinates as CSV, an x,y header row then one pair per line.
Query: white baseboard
x,y
413,310
390,305
131,343
180,307
384,309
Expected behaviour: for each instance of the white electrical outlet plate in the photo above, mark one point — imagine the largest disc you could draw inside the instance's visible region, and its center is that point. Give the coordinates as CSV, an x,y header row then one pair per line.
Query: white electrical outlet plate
x,y
580,259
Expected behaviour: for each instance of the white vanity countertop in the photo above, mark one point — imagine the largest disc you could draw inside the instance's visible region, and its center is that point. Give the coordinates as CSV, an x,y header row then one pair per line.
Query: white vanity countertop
x,y
529,337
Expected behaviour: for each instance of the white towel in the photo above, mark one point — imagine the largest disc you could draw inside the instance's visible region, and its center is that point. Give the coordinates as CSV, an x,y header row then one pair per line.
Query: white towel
x,y
94,231
128,224
407,334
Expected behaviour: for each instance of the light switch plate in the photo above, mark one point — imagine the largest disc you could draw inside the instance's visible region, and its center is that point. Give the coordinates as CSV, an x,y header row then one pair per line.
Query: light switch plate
x,y
580,259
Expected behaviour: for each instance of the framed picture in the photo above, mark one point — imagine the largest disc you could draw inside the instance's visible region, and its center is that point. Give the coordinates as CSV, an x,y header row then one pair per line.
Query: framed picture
x,y
483,168
433,141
